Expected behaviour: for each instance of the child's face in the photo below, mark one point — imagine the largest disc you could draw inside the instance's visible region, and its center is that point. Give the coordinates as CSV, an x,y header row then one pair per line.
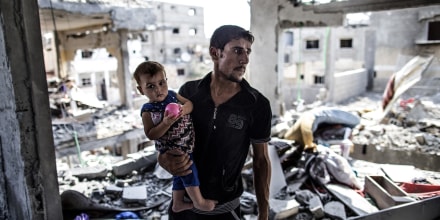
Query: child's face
x,y
155,86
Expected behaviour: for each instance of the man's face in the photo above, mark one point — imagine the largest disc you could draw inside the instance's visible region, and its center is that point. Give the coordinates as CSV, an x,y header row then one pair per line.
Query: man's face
x,y
233,59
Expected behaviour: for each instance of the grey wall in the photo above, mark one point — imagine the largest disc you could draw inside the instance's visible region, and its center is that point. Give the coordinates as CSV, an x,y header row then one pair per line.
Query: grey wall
x,y
349,84
28,181
268,20
399,34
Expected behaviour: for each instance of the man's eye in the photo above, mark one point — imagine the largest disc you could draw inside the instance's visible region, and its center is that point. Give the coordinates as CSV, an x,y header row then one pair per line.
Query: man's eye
x,y
240,51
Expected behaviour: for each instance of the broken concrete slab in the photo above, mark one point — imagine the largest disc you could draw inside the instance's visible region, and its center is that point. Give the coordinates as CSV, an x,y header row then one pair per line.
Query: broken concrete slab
x,y
400,173
284,208
403,79
315,207
113,189
335,210
136,161
94,172
277,180
351,199
136,194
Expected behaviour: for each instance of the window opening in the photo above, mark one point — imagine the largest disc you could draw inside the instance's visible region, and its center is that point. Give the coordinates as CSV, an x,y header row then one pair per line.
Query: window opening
x,y
192,32
319,79
312,44
434,30
192,12
346,43
288,38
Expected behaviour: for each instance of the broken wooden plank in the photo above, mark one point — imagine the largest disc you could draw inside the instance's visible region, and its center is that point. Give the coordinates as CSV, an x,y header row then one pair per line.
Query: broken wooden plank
x,y
385,193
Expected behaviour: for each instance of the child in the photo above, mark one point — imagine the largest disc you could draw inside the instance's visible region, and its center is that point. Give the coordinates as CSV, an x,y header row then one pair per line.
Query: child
x,y
170,132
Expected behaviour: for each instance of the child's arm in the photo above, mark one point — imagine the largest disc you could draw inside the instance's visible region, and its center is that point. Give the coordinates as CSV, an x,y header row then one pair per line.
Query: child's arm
x,y
187,105
155,132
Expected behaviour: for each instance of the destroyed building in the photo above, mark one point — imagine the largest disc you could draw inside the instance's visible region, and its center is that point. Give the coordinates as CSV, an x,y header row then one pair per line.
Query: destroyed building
x,y
30,187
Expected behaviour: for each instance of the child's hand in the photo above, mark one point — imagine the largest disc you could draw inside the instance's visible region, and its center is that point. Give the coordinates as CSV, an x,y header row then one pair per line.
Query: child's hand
x,y
169,118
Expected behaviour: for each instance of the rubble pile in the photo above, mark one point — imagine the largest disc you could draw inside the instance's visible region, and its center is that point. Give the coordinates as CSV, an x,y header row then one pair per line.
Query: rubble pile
x,y
413,124
325,184
95,124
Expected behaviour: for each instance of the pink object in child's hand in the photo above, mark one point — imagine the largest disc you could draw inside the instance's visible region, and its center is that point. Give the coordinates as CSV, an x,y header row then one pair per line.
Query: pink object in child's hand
x,y
172,109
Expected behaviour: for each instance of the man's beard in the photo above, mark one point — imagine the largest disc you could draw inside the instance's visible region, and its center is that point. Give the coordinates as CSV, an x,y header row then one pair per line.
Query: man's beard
x,y
232,78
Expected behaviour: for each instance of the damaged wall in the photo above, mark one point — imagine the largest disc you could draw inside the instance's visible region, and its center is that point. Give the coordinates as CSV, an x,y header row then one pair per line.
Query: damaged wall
x,y
13,201
268,19
401,35
404,29
28,182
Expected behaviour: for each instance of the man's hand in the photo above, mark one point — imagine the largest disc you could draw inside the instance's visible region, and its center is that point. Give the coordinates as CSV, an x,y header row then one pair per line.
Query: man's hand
x,y
175,162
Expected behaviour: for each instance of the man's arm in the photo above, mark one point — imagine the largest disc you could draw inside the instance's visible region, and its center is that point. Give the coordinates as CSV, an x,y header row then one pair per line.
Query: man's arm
x,y
175,162
262,174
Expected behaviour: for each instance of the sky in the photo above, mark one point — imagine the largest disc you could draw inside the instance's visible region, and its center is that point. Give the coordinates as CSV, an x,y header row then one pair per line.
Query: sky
x,y
220,12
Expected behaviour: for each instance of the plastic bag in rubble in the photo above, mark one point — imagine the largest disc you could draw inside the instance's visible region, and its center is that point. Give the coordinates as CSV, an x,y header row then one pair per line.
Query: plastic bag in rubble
x,y
339,168
316,168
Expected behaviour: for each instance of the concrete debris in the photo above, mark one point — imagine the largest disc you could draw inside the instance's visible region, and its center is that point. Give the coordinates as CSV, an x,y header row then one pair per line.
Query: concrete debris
x,y
350,198
95,172
136,161
335,186
135,194
335,209
283,208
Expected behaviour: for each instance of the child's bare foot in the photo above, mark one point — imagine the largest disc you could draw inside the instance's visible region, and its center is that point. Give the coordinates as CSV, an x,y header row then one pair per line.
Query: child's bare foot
x,y
179,206
205,205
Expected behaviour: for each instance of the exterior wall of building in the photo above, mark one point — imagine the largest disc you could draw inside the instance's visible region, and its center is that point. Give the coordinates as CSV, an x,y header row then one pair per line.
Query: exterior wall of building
x,y
177,35
349,84
305,71
268,21
401,35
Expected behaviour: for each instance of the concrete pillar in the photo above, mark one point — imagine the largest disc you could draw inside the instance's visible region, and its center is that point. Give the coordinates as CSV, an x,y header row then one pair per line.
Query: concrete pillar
x,y
263,74
28,183
124,75
280,70
64,56
129,147
329,54
370,52
120,52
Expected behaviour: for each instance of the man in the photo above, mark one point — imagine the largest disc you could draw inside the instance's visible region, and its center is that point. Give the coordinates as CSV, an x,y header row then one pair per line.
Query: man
x,y
228,115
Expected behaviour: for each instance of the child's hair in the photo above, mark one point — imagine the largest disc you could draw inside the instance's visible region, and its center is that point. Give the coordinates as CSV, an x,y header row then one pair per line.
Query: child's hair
x,y
148,67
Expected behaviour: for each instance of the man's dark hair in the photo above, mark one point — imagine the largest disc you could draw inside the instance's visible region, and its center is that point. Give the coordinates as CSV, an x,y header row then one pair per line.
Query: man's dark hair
x,y
226,33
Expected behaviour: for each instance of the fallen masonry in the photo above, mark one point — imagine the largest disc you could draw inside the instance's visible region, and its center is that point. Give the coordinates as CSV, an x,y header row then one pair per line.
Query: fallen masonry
x,y
145,190
401,181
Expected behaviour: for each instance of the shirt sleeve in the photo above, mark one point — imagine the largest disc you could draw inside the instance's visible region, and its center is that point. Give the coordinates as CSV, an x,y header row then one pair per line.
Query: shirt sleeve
x,y
262,121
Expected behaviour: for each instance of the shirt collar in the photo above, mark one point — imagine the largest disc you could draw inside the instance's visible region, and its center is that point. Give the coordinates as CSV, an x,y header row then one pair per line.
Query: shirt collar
x,y
245,86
